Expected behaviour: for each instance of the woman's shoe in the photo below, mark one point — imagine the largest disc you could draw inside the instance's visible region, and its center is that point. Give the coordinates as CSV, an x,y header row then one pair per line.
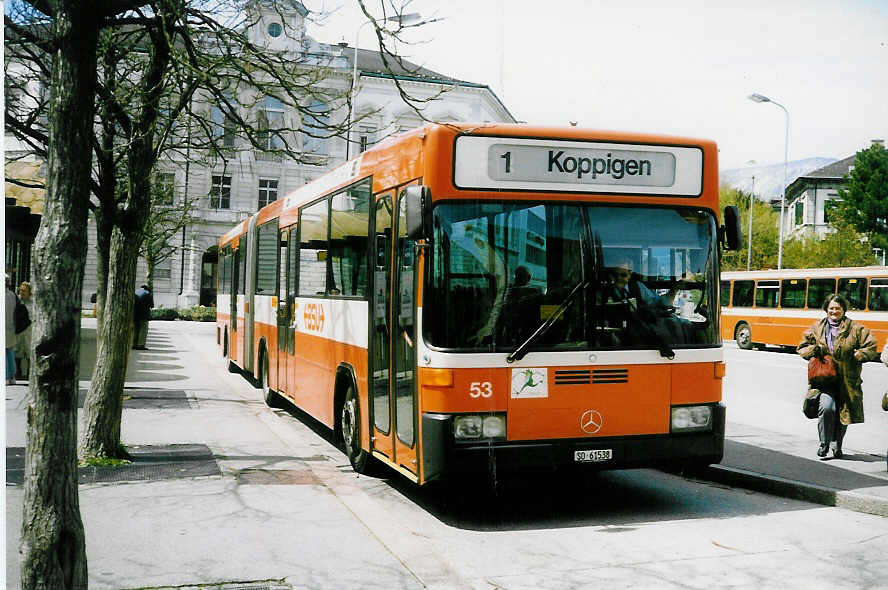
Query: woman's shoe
x,y
837,453
821,452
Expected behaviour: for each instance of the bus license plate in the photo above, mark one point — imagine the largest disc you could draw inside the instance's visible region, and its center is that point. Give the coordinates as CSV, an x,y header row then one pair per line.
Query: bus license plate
x,y
593,456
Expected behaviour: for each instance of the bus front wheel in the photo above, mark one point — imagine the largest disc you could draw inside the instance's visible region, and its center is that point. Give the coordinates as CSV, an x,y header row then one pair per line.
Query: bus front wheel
x,y
350,423
743,336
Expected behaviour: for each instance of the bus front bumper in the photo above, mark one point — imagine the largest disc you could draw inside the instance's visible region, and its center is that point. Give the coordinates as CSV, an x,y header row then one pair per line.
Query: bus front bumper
x,y
443,455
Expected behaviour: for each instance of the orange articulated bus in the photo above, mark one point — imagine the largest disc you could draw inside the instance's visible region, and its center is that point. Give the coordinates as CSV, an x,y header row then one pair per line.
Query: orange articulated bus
x,y
776,306
441,301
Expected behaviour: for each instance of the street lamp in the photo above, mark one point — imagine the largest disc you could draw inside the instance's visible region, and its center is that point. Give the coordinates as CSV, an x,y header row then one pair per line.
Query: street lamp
x,y
402,19
755,97
751,201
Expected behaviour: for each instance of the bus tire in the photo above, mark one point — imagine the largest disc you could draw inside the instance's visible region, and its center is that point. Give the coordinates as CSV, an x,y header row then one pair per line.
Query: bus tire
x,y
272,398
350,426
743,336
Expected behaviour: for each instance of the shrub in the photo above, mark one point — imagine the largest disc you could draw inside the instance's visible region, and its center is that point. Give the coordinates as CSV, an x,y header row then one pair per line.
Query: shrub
x,y
164,313
199,313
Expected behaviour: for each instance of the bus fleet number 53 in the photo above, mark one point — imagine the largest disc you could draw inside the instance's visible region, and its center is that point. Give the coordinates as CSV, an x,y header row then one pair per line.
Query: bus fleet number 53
x,y
480,389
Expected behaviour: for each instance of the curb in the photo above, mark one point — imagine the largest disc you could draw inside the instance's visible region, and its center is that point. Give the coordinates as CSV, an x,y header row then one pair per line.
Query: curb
x,y
796,490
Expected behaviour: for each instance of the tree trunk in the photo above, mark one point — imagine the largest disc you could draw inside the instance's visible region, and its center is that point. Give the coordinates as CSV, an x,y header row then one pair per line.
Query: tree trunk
x,y
103,254
53,545
103,409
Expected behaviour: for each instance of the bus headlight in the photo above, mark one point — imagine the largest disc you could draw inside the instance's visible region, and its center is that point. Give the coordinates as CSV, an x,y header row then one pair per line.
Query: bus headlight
x,y
474,427
691,418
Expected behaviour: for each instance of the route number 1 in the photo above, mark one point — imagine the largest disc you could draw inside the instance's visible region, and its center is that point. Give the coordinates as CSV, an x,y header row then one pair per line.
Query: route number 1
x,y
508,158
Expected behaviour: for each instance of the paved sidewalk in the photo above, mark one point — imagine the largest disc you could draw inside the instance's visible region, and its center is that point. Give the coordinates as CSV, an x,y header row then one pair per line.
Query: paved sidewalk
x,y
233,496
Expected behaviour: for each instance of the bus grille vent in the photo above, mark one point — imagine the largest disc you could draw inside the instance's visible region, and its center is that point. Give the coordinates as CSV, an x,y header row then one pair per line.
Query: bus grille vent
x,y
610,376
572,377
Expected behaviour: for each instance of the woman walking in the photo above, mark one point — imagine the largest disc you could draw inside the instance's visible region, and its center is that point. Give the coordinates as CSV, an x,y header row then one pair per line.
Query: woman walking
x,y
23,338
850,344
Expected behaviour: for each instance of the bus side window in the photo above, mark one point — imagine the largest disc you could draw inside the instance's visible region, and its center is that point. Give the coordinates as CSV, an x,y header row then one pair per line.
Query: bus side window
x,y
766,293
818,289
792,294
725,294
878,295
743,291
855,291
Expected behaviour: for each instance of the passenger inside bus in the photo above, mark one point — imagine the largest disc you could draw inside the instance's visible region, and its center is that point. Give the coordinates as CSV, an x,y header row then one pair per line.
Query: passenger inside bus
x,y
520,314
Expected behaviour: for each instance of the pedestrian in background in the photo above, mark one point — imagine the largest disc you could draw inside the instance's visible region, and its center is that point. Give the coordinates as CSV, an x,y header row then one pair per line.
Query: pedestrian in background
x,y
850,344
142,306
10,302
23,338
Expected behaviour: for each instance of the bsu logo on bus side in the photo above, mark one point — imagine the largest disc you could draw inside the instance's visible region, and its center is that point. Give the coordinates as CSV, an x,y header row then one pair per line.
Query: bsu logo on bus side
x,y
313,317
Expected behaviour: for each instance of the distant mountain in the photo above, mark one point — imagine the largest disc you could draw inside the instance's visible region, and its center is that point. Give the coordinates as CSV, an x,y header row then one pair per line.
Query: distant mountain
x,y
769,179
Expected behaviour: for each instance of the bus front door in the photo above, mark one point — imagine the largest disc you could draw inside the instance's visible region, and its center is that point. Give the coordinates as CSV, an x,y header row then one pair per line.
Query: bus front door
x,y
393,336
382,437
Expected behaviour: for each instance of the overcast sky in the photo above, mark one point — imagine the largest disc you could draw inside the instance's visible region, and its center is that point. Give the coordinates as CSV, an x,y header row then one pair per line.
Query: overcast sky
x,y
680,67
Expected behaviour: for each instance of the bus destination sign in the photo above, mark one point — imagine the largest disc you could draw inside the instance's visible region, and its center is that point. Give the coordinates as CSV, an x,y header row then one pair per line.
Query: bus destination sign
x,y
540,164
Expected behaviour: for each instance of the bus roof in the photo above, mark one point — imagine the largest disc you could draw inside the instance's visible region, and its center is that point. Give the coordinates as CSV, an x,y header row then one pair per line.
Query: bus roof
x,y
562,162
801,273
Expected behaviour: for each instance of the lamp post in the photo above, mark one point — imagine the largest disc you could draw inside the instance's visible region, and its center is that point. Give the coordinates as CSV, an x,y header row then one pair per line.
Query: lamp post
x,y
751,201
755,97
402,19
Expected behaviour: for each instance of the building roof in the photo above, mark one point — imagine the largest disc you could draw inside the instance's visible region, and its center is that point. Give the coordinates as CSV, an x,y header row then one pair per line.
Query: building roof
x,y
370,62
834,172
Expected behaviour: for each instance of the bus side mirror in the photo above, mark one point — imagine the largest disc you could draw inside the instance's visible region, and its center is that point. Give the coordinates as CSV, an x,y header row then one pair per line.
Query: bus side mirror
x,y
731,229
419,201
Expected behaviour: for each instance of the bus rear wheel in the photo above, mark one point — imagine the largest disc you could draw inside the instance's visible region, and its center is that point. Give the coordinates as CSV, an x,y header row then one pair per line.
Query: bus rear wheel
x,y
743,336
350,424
272,398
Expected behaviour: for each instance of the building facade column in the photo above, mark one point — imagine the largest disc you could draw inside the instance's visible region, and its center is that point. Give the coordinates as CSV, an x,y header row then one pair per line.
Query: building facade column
x,y
190,295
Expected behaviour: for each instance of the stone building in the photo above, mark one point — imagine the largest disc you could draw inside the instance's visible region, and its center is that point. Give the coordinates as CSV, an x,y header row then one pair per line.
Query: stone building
x,y
228,192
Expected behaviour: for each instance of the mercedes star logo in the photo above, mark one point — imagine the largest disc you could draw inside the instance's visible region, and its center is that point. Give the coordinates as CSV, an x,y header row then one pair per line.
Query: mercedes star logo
x,y
591,422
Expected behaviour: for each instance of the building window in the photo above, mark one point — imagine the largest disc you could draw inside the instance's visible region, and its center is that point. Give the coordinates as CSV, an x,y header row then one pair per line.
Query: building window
x,y
223,128
165,187
162,271
829,210
799,213
366,137
315,130
271,124
268,191
220,192
274,30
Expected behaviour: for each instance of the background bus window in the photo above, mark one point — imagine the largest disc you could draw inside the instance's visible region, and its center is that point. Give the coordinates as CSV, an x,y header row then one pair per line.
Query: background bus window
x,y
267,259
349,235
878,295
792,294
743,293
313,249
855,291
766,293
725,292
818,289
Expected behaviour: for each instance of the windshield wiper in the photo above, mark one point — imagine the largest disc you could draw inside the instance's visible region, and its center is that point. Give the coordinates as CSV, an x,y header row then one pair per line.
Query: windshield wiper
x,y
520,352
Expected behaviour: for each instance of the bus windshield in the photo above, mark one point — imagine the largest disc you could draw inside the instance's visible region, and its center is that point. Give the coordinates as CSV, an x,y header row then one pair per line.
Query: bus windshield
x,y
570,277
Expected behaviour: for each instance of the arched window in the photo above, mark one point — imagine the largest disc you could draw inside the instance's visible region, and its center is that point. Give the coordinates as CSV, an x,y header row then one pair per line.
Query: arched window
x,y
271,123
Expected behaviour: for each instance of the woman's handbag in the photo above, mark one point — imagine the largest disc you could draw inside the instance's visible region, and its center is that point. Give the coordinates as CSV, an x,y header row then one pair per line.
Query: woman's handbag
x,y
822,372
811,403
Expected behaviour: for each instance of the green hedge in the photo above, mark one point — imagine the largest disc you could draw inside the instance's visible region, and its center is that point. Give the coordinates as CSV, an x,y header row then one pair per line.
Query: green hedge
x,y
198,313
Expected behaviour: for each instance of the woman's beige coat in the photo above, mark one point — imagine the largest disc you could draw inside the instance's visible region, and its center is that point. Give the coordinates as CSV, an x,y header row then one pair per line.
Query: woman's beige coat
x,y
851,337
